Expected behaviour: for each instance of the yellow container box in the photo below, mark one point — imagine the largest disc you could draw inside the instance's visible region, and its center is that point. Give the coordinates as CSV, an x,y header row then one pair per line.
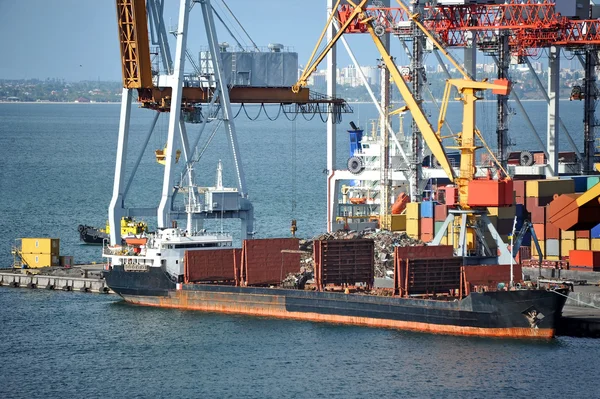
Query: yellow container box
x,y
595,244
398,222
40,260
567,235
412,228
566,246
413,211
553,257
40,246
534,252
582,244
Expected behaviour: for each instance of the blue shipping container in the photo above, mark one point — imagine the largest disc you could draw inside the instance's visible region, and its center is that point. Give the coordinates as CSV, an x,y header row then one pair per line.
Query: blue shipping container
x,y
427,209
595,232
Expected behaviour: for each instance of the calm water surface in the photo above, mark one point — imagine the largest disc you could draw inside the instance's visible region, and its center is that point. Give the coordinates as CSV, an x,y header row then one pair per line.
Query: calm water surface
x,y
56,172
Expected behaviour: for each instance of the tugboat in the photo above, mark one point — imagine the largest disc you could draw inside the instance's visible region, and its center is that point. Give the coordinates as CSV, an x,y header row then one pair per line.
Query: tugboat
x,y
95,236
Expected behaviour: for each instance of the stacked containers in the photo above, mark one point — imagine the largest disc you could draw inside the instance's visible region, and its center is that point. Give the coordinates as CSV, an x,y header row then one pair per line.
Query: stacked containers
x,y
440,213
40,252
584,260
413,225
538,194
427,221
567,242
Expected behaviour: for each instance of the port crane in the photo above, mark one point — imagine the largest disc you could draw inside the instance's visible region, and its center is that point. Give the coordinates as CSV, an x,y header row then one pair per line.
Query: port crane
x,y
198,100
520,28
468,89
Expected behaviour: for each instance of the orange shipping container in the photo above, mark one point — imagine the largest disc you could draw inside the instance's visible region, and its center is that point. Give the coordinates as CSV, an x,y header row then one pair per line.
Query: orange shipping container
x,y
539,231
585,258
427,226
483,192
552,232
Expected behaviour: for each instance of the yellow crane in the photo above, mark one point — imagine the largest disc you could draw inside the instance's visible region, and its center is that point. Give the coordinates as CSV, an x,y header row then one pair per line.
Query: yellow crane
x,y
467,88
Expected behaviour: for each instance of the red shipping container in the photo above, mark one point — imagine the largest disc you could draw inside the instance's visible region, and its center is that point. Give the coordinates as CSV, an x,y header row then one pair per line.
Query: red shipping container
x,y
538,214
539,158
540,232
265,261
582,234
426,225
441,213
552,232
520,200
209,265
451,195
584,258
519,188
484,192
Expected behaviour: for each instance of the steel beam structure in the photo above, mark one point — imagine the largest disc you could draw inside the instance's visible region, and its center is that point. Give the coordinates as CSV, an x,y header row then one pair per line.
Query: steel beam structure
x,y
552,144
331,126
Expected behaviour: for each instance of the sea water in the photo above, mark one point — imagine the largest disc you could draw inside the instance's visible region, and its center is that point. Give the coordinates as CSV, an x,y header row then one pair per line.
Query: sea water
x,y
56,172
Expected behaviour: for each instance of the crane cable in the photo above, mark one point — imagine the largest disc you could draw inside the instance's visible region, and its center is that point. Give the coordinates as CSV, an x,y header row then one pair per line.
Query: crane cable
x,y
293,227
238,22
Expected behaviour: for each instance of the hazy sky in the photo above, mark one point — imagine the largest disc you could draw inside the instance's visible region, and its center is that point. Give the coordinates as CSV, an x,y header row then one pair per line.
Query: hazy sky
x,y
77,39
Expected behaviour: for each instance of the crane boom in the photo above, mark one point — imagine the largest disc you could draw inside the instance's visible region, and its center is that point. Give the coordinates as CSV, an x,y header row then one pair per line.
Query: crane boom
x,y
135,48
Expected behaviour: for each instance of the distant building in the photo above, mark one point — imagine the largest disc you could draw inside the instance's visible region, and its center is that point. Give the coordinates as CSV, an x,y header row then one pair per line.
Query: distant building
x,y
82,100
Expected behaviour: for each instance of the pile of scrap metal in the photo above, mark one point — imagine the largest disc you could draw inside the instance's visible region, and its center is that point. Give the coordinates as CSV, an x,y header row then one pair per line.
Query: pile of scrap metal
x,y
385,242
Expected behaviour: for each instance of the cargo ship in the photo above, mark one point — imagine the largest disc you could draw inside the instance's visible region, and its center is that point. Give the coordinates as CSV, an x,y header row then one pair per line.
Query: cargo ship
x,y
201,271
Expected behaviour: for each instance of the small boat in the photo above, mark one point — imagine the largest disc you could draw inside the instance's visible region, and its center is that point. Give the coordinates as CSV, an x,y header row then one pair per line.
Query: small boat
x,y
96,236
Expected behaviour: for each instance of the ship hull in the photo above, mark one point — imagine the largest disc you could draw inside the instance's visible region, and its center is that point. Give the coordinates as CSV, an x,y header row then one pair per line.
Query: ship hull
x,y
91,235
490,314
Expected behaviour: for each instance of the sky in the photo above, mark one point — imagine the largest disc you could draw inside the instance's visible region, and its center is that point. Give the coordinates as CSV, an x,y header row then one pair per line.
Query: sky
x,y
77,39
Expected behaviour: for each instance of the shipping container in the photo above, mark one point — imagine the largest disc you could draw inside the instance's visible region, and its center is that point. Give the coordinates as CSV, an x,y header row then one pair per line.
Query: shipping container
x,y
567,235
594,244
398,222
519,188
582,234
503,212
552,232
441,212
412,211
592,181
566,246
582,244
267,261
534,252
584,258
483,192
595,232
427,209
451,195
489,276
40,246
427,237
65,261
209,265
549,187
552,247
35,260
413,227
426,225
540,231
538,214
532,202
344,262
429,276
437,227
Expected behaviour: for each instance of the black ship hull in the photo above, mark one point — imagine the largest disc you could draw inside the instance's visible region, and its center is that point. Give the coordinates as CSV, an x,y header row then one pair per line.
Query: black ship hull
x,y
91,235
514,314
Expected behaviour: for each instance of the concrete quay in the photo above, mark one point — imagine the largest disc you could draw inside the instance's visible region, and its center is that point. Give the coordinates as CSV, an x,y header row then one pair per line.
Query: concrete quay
x,y
76,279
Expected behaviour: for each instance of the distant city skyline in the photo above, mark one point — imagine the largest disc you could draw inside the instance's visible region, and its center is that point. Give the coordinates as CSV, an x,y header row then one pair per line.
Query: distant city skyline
x,y
77,40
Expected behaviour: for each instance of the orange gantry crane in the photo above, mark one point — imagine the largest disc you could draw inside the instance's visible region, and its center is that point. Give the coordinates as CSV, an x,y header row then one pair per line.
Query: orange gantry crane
x,y
137,73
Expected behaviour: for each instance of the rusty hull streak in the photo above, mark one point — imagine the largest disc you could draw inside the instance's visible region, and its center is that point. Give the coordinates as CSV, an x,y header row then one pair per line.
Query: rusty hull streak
x,y
233,307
